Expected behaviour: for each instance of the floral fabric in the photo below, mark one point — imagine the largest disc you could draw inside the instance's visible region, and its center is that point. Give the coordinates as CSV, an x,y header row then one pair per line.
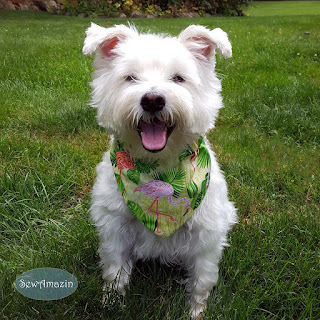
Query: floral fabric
x,y
163,200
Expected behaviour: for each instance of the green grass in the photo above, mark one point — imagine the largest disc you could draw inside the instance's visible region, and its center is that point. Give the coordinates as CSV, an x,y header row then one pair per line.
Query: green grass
x,y
266,140
283,8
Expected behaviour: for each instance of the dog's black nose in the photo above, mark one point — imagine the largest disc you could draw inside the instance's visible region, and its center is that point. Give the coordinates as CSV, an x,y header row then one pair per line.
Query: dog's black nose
x,y
153,102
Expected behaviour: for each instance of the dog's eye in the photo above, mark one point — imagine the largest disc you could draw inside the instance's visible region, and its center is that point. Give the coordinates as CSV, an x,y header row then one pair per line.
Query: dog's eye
x,y
178,78
131,78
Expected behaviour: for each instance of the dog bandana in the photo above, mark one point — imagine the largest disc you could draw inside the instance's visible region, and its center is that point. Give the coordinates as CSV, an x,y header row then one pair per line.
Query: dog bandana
x,y
163,200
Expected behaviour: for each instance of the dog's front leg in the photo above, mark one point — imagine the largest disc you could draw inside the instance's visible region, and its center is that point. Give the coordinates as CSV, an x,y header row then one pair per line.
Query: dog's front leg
x,y
116,262
203,277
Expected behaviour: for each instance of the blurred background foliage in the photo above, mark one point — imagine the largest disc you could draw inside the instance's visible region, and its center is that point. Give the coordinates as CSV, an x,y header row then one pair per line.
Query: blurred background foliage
x,y
155,8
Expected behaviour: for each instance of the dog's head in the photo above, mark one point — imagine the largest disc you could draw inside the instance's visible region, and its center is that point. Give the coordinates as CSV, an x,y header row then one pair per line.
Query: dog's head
x,y
154,87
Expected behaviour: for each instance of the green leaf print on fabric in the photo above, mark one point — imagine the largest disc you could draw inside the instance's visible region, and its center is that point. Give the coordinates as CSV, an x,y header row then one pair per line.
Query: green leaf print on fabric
x,y
113,159
145,167
119,147
204,155
134,176
204,187
148,220
113,154
192,189
120,184
135,208
175,177
197,200
205,184
186,153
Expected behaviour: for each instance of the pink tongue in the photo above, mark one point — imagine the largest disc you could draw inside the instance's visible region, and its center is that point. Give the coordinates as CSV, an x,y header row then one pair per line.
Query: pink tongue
x,y
154,134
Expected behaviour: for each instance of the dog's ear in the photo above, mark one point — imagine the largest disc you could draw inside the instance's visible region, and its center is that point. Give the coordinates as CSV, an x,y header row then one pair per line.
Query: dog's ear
x,y
105,40
203,42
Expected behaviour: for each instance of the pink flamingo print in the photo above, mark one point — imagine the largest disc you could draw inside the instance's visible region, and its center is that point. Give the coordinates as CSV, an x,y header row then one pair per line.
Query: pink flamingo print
x,y
158,189
124,162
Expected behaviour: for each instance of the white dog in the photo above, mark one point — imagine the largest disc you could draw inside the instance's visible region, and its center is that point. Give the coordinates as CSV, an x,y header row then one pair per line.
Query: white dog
x,y
159,192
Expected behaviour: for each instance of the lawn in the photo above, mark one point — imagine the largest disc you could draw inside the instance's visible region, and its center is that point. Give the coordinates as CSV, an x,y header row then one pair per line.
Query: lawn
x,y
284,8
267,142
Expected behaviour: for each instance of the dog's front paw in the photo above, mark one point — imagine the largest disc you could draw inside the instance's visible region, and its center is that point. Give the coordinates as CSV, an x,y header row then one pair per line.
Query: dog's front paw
x,y
106,294
116,278
198,300
199,317
196,311
112,293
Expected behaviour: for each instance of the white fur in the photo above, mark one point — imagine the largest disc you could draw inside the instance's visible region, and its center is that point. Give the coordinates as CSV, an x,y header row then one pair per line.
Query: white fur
x,y
192,106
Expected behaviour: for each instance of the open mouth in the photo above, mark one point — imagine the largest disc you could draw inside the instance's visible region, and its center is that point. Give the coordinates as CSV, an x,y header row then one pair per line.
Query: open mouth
x,y
154,135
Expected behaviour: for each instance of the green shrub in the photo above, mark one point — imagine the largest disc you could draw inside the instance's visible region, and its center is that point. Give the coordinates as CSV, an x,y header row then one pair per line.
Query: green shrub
x,y
172,8
88,7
